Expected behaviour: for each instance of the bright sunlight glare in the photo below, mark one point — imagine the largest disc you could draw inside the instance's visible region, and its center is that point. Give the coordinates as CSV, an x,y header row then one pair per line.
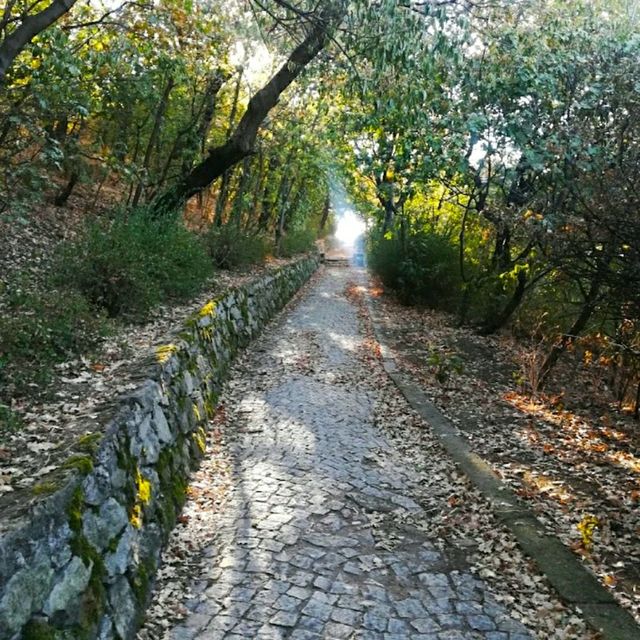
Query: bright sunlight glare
x,y
349,227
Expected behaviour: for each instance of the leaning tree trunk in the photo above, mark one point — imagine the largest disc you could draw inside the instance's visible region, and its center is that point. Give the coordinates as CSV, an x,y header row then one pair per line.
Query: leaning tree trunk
x,y
498,321
63,195
242,141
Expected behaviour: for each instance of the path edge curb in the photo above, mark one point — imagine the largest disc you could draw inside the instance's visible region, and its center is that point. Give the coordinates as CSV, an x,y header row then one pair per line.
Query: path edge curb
x,y
571,580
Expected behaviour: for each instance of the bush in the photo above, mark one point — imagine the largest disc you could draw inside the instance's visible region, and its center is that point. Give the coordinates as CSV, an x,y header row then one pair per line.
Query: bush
x,y
129,265
423,270
230,247
9,421
40,330
297,241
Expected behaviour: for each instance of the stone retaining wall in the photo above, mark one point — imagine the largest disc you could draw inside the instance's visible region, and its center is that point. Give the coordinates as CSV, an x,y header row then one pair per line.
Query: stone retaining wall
x,y
82,565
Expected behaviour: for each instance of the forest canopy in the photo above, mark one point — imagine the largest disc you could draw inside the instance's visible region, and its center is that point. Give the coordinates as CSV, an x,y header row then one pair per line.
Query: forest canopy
x,y
492,145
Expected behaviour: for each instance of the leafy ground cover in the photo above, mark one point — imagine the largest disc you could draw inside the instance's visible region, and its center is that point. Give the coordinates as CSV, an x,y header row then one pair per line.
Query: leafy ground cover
x,y
40,425
569,453
81,392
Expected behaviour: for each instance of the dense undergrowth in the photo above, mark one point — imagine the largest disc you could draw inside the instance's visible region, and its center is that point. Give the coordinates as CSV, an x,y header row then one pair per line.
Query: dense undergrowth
x,y
117,269
549,317
420,267
130,264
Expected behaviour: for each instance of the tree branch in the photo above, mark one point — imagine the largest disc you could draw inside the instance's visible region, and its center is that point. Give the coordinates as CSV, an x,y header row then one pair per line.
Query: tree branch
x,y
28,29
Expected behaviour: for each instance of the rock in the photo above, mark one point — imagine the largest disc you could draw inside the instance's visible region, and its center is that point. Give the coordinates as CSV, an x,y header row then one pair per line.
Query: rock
x,y
96,486
72,583
59,549
123,604
145,444
187,383
24,593
105,630
100,529
116,563
162,426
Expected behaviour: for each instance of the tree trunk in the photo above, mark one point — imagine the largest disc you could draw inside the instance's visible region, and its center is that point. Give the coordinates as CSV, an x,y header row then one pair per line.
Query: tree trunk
x,y
576,329
294,203
258,186
325,213
465,303
281,215
207,111
265,206
210,98
501,259
241,142
155,134
238,204
27,30
496,323
223,194
62,197
389,215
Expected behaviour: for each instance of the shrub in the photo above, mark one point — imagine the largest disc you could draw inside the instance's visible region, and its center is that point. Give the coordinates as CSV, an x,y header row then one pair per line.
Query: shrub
x,y
9,421
128,265
230,247
41,329
297,241
423,269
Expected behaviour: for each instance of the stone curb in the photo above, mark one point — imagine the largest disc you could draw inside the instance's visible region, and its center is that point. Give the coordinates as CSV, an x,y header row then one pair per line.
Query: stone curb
x,y
573,582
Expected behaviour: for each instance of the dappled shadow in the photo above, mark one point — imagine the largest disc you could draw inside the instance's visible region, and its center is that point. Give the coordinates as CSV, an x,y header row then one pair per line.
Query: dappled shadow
x,y
296,545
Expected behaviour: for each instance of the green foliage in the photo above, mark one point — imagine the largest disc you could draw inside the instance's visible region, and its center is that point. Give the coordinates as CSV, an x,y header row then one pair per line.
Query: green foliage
x,y
297,241
444,365
130,264
9,421
422,269
230,247
39,331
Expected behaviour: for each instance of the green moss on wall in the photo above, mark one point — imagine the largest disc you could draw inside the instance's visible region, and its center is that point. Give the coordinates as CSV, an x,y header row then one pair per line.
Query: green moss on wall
x,y
89,442
45,488
38,630
93,600
83,464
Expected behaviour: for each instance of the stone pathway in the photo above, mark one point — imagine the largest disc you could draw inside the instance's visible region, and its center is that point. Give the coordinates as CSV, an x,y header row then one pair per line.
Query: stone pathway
x,y
297,554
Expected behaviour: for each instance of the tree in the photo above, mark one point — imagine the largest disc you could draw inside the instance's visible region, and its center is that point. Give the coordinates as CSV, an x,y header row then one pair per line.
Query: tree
x,y
29,25
241,143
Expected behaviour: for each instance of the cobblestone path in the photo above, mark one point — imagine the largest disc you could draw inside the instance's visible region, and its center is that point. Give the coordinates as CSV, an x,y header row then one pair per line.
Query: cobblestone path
x,y
297,554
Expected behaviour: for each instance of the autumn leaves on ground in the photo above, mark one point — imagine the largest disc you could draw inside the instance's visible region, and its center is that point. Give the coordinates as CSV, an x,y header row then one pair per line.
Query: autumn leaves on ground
x,y
568,452
153,154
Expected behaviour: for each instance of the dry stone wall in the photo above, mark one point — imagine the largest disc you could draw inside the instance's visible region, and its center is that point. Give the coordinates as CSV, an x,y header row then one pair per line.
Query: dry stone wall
x,y
82,565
